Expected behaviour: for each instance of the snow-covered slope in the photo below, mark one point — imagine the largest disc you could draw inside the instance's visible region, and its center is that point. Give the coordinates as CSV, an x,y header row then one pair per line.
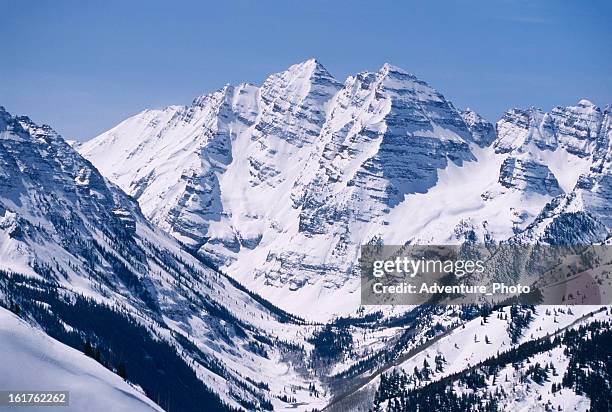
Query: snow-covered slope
x,y
31,360
280,184
494,358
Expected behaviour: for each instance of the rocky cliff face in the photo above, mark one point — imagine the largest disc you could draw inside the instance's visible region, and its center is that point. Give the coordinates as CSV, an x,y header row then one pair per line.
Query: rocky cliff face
x,y
280,184
528,175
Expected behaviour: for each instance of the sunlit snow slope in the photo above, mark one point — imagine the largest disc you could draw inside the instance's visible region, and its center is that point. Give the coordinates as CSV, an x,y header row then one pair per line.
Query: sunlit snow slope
x,y
32,361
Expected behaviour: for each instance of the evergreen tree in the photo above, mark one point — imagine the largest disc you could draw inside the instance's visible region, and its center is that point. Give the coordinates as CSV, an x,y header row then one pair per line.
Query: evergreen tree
x,y
121,370
88,348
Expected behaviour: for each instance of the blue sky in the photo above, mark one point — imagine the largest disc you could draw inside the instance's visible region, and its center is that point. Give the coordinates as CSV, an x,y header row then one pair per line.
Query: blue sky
x,y
84,66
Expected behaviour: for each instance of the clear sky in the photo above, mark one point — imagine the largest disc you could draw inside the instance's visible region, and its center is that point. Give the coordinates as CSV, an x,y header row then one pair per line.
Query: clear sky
x,y
84,66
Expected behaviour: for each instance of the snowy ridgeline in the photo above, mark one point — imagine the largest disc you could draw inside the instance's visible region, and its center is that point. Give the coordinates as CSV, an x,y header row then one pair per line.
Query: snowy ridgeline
x,y
32,361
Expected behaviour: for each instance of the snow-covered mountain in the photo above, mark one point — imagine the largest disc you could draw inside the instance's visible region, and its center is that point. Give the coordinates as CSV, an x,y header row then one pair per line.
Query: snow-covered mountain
x,y
79,261
280,184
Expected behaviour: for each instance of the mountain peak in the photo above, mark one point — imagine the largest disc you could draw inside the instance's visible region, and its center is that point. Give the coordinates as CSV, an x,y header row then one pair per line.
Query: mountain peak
x,y
311,69
308,78
396,74
471,113
586,103
311,61
390,68
483,132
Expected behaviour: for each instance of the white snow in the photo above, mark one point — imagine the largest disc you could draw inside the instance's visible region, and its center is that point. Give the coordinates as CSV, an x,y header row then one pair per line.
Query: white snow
x,y
32,361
